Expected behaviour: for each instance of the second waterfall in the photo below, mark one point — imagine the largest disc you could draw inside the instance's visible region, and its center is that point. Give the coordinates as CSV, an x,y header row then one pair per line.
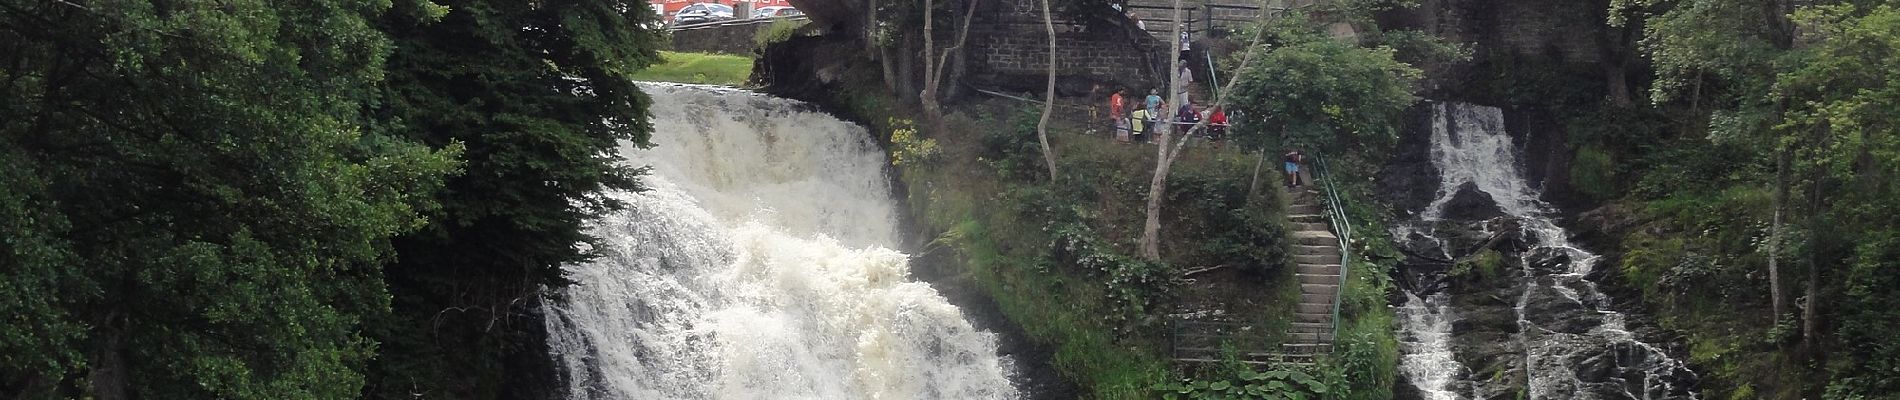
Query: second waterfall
x,y
1502,304
758,265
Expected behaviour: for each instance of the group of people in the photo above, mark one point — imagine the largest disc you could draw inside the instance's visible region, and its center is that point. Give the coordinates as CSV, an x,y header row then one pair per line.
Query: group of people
x,y
1139,122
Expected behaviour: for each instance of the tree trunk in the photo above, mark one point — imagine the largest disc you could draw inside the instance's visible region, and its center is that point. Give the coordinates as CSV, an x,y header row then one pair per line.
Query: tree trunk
x,y
1774,237
1811,314
878,50
934,64
1049,96
108,378
1165,156
1253,185
928,97
1151,228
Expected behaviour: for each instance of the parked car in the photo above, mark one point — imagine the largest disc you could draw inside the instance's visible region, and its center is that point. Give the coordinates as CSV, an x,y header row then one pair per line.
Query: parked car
x,y
776,11
702,12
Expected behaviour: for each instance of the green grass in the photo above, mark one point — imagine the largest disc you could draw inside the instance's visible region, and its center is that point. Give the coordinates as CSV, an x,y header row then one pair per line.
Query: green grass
x,y
702,68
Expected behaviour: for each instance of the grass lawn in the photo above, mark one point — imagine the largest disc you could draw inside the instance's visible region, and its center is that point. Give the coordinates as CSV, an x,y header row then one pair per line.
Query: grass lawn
x,y
715,69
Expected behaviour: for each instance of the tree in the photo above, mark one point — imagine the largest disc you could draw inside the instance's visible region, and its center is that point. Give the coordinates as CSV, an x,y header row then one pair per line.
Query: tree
x,y
1812,87
1328,94
1150,244
540,94
195,208
1049,95
933,68
1311,83
1682,42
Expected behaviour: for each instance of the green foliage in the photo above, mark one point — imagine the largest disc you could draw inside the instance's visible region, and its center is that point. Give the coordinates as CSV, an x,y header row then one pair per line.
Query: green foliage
x,y
1316,91
778,31
1484,265
699,68
542,96
909,149
195,208
1283,382
1818,84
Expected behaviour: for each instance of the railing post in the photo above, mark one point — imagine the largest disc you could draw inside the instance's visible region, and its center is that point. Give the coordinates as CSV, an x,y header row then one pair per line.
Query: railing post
x,y
1209,16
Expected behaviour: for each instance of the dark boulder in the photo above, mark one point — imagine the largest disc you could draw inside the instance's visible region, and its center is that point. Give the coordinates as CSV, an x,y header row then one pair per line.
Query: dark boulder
x,y
1471,204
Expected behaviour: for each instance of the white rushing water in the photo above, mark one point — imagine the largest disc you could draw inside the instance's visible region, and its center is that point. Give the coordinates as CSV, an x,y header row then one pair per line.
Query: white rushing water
x,y
1565,323
1427,360
758,266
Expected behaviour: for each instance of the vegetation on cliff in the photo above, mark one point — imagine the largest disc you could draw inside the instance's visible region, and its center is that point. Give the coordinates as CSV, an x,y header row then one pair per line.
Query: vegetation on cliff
x,y
1756,190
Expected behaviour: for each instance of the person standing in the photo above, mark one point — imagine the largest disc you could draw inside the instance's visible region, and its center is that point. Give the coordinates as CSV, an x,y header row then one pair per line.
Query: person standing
x,y
1216,125
1141,123
1117,105
1293,161
1154,102
1185,118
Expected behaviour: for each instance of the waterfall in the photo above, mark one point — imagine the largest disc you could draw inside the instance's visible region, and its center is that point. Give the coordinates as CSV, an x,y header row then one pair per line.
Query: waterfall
x,y
758,265
1425,325
1570,343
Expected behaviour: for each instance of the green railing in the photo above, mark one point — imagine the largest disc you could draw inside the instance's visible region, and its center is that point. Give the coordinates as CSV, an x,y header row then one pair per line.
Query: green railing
x,y
1342,227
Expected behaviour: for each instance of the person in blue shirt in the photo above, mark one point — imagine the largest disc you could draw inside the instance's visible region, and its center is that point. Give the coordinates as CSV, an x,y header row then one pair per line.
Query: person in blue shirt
x,y
1154,102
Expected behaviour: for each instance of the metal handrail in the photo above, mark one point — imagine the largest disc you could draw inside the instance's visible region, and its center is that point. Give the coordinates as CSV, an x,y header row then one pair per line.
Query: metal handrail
x,y
1343,228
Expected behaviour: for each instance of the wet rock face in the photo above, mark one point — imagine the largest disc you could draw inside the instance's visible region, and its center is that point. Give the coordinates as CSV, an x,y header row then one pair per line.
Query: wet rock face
x,y
1471,204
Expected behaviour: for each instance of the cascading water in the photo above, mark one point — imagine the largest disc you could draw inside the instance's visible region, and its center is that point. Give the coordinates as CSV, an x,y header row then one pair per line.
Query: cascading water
x,y
758,266
1567,342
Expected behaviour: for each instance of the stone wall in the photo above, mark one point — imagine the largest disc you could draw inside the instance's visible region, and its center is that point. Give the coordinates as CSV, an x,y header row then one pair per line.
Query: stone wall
x,y
1011,50
727,38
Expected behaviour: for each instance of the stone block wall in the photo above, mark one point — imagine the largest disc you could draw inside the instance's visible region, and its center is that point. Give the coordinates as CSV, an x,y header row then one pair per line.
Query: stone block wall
x,y
1022,50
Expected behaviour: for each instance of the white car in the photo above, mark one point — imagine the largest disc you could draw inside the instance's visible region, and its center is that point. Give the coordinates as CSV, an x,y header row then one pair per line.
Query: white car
x,y
702,12
776,11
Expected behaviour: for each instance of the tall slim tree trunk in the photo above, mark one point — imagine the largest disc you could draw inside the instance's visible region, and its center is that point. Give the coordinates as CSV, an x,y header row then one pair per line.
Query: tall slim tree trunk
x,y
928,97
1253,185
1049,95
1774,236
935,64
1151,228
1150,244
878,50
1811,314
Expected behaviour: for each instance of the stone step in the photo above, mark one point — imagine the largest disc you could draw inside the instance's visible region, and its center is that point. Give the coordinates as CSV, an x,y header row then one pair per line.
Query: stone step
x,y
1317,269
1314,308
1308,348
1307,250
1308,337
1305,217
1315,259
1303,209
1316,298
1318,279
1326,318
1310,327
1319,289
1315,238
1309,226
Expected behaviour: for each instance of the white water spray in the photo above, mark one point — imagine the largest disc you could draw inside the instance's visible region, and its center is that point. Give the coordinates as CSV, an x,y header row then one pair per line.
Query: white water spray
x,y
1564,321
758,266
1426,340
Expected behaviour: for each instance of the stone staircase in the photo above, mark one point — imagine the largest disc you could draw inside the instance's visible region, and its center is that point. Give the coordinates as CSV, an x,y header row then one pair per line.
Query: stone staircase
x,y
1211,324
1316,261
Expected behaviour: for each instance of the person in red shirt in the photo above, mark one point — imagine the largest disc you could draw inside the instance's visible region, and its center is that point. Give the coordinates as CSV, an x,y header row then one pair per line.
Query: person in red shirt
x,y
1217,125
1117,104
